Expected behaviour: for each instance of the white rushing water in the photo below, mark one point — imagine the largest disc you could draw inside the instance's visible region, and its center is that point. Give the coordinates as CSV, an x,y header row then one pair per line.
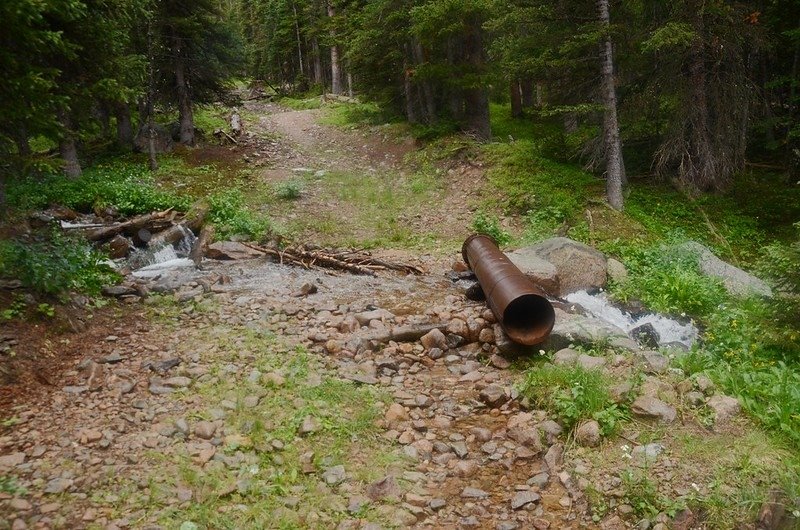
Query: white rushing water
x,y
669,330
145,258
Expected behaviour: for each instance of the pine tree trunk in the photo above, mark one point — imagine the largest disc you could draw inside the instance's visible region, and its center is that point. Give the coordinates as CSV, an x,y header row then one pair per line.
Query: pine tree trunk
x,y
68,148
319,76
21,139
613,145
350,85
124,127
299,40
184,98
336,67
408,94
476,99
526,87
428,100
699,170
104,116
516,99
539,94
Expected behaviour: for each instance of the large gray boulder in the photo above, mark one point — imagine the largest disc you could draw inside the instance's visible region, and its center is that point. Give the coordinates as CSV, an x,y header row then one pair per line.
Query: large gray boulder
x,y
540,271
577,266
736,281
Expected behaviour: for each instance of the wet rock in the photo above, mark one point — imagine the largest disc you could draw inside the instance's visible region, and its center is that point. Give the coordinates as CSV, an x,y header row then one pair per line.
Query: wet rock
x,y
724,407
571,328
493,395
524,498
434,339
653,408
646,335
588,434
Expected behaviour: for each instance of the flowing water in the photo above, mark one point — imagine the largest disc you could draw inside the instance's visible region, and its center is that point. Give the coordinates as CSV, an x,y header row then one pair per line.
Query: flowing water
x,y
669,331
150,262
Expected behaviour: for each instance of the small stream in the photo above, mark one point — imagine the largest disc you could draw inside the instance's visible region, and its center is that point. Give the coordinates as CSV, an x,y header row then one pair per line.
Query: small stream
x,y
669,331
150,262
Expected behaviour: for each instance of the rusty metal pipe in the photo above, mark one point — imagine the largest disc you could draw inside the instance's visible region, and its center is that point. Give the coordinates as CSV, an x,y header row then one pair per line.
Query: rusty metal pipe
x,y
520,307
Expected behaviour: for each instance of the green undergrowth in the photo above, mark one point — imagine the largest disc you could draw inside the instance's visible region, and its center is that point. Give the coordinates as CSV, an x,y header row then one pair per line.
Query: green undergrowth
x,y
125,185
574,394
54,265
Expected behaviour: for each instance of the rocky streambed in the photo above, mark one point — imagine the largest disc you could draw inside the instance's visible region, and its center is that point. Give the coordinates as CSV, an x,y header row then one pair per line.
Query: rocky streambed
x,y
455,444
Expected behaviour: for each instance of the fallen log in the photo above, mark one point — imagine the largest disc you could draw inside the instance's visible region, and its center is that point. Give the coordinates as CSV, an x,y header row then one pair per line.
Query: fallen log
x,y
131,226
349,261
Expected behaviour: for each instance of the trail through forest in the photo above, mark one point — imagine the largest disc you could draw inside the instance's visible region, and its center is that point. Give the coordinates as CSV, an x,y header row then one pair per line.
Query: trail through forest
x,y
252,398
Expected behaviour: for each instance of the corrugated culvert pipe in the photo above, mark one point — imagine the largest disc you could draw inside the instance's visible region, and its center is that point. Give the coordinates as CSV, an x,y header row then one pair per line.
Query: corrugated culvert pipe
x,y
521,308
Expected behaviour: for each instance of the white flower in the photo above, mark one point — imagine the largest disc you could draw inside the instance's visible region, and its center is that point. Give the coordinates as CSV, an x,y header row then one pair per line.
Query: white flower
x,y
541,352
253,470
696,487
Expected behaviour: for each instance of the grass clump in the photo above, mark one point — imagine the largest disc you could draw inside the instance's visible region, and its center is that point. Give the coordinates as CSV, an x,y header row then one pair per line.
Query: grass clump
x,y
289,190
574,395
231,216
490,226
56,265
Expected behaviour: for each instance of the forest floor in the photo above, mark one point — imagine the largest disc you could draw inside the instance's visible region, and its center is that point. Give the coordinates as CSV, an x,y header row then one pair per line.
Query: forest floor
x,y
239,403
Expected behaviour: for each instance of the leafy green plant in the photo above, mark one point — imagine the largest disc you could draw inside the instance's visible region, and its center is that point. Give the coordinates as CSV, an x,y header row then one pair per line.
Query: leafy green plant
x,y
56,265
574,394
46,310
17,307
490,226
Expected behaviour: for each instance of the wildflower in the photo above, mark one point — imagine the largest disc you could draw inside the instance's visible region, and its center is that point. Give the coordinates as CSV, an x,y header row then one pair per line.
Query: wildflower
x,y
696,487
541,352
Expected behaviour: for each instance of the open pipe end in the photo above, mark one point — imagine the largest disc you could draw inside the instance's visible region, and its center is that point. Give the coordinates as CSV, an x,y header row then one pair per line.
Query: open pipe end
x,y
529,319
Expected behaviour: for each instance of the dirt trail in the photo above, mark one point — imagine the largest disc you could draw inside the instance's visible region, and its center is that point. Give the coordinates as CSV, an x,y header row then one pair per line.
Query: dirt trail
x,y
238,403
360,187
